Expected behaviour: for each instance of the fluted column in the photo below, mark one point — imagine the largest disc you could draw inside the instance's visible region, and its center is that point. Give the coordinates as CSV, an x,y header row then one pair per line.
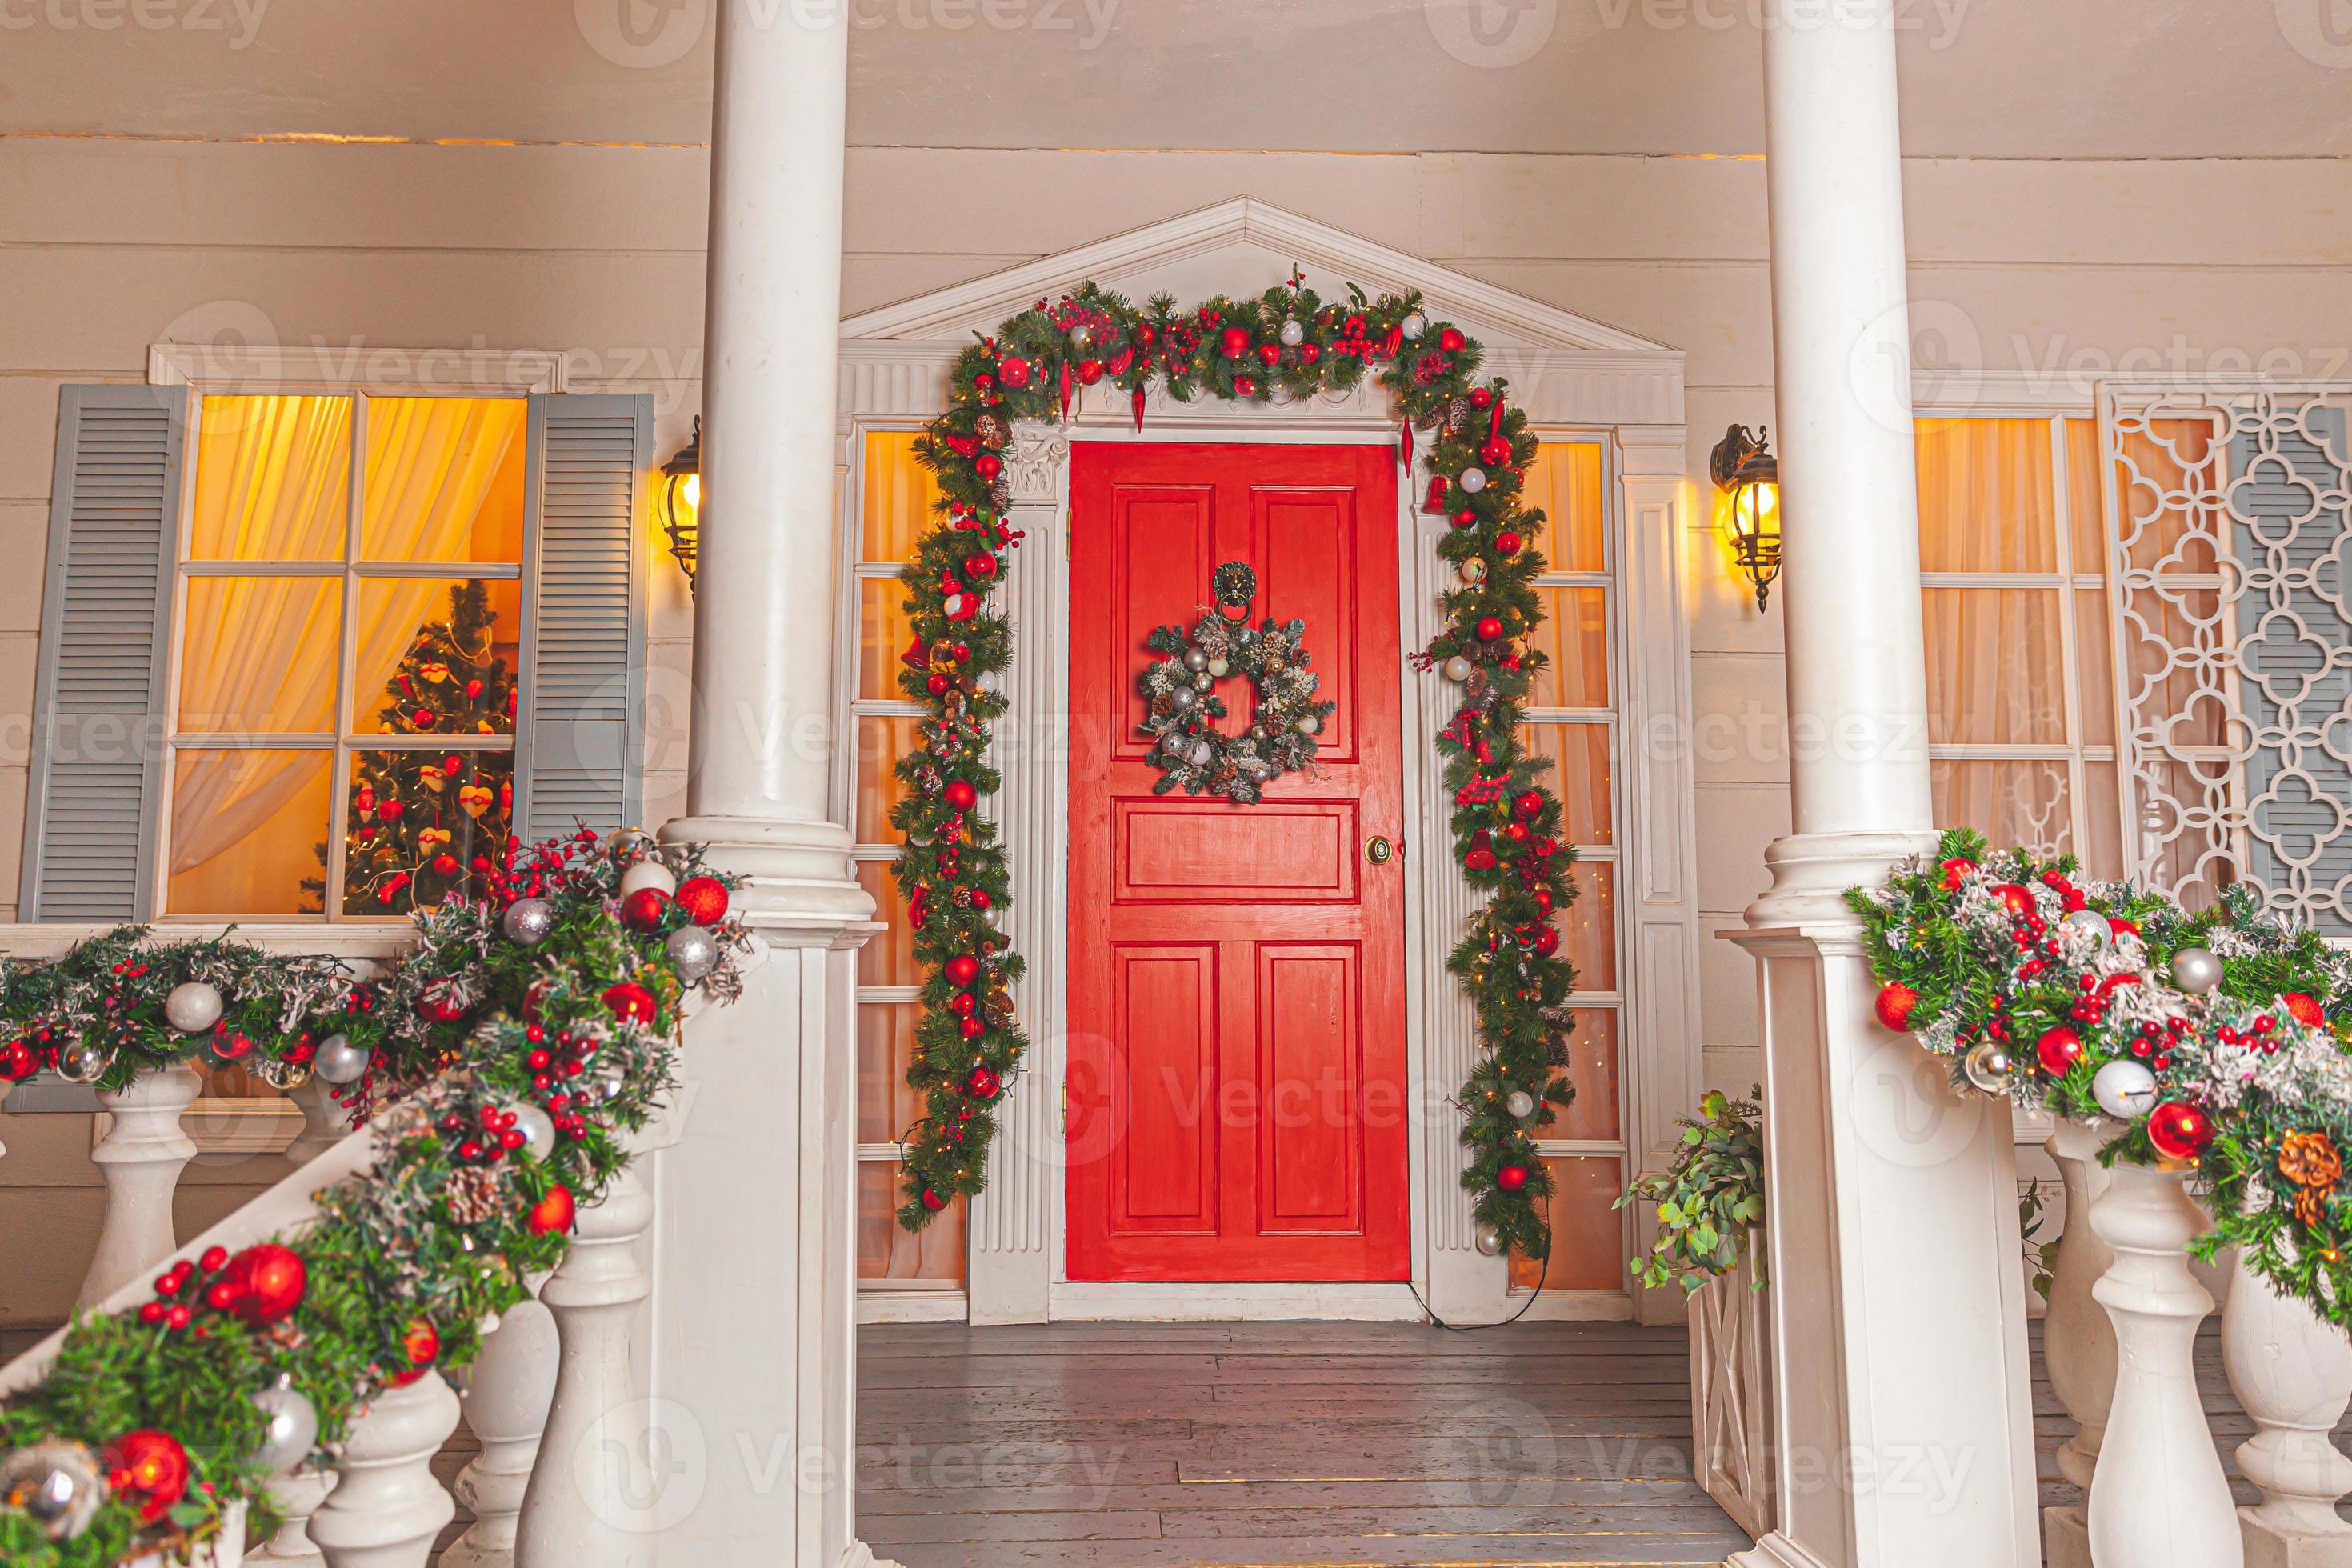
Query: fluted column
x,y
508,1392
755,1301
386,1509
2294,1376
2159,1496
1893,1198
141,1158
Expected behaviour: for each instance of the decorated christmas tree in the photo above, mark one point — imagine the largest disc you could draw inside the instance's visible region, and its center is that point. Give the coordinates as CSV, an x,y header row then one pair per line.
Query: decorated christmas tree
x,y
423,822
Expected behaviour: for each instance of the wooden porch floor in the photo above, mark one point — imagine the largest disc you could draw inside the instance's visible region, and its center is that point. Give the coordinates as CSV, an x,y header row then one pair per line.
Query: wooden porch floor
x,y
1152,1443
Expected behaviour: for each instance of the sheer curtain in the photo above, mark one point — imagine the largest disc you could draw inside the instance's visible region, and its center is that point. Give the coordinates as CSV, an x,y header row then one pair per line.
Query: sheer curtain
x,y
262,655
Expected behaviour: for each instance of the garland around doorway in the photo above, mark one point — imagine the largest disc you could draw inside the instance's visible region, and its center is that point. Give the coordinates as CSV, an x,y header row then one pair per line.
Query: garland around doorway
x,y
1284,345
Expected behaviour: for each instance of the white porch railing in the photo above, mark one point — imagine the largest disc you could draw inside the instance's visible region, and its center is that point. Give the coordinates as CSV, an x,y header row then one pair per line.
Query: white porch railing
x,y
1731,1392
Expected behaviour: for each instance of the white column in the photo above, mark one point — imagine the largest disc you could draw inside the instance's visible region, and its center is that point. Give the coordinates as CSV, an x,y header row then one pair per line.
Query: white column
x,y
507,1390
2294,1376
754,1275
141,1158
2078,1339
386,1510
325,1123
1892,1199
2159,1496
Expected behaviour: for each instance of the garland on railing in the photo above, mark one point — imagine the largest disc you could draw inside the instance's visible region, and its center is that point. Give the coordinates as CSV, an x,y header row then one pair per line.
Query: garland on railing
x,y
547,1017
2053,988
1286,343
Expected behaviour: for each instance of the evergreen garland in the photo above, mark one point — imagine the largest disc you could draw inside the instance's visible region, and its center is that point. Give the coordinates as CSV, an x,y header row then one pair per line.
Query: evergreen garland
x,y
562,1046
1282,344
2086,997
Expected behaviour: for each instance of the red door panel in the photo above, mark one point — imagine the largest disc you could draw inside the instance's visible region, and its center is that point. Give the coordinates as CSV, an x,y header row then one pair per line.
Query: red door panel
x,y
1236,1070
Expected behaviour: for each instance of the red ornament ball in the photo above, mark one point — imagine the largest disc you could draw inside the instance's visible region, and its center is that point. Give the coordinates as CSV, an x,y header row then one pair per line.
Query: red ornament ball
x,y
1451,339
2017,898
2179,1132
1511,1178
1546,942
1508,543
704,900
1954,869
962,969
554,1211
17,1061
148,1467
1233,342
1494,452
1490,628
960,795
2303,1009
1528,803
932,1201
644,910
2058,1051
1014,371
1466,518
1269,353
630,1002
979,898
987,465
421,1343
982,1084
980,566
971,1028
438,1005
267,1283
963,1003
1244,387
1894,1004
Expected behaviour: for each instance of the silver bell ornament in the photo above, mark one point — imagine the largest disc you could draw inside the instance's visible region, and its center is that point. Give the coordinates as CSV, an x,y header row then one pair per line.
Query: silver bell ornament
x,y
528,922
292,1429
1987,1067
193,1007
1412,326
339,1061
693,951
1472,480
1293,333
2196,971
2124,1090
1458,669
1520,1104
57,1485
537,1129
81,1062
648,874
1488,1240
2091,923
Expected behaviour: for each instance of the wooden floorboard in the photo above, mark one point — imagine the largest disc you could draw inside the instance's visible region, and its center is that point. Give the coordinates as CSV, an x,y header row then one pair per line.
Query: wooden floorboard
x,y
1097,1445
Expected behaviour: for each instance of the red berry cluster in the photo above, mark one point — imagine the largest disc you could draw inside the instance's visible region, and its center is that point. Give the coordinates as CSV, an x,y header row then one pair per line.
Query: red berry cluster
x,y
258,1287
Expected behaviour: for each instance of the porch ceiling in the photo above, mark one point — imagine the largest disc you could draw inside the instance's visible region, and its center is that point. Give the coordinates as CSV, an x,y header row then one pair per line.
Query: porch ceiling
x,y
1997,78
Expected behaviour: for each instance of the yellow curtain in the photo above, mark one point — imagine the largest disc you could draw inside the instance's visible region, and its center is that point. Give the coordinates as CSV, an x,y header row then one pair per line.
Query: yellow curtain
x,y
262,653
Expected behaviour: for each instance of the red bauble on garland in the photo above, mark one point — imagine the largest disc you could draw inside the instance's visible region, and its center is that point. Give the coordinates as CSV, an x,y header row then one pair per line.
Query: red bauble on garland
x,y
554,1211
644,910
438,1003
2303,1009
1233,342
1546,942
2016,898
1014,371
982,1084
2058,1051
2179,1132
1511,1178
962,969
147,1468
704,900
1954,869
1894,1004
932,1201
630,1003
1490,627
960,795
267,1283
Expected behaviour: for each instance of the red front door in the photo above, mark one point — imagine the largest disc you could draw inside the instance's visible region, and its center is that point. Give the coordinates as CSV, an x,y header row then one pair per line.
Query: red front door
x,y
1236,1046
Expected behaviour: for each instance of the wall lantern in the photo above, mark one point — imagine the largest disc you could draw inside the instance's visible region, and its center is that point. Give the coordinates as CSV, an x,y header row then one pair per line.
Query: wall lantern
x,y
1746,471
682,501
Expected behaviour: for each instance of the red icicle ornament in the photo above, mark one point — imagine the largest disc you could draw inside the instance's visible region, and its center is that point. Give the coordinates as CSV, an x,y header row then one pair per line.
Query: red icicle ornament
x,y
1137,405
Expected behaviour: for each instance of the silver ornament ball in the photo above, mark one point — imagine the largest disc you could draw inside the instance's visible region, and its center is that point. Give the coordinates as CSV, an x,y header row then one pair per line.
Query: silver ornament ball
x,y
1310,725
1220,668
1458,669
2124,1090
2196,971
627,841
1183,697
2091,924
1472,569
537,1129
1200,754
1987,1067
648,874
292,1429
339,1061
1488,1240
528,922
1472,480
693,952
1196,659
193,1007
56,1485
1293,333
1520,1104
1414,326
81,1062
1081,335
281,1075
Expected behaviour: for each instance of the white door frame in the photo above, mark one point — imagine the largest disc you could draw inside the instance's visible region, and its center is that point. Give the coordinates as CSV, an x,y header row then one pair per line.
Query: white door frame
x,y
1573,377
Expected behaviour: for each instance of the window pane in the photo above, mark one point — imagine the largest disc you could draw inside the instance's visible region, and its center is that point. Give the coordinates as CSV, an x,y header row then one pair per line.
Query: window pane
x,y
445,479
1995,669
1592,1068
2094,658
418,820
258,655
2103,855
1588,1236
1985,498
1564,483
886,1107
886,1252
1575,638
1587,927
880,743
2013,804
273,479
889,958
1578,776
437,656
884,631
898,496
249,830
2086,496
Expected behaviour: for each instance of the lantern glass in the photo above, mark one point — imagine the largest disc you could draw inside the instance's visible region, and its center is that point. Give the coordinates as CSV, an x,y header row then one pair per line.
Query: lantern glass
x,y
682,502
1749,477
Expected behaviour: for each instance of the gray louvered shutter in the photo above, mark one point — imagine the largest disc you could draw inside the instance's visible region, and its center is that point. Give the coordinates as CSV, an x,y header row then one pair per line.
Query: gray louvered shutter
x,y
580,731
96,757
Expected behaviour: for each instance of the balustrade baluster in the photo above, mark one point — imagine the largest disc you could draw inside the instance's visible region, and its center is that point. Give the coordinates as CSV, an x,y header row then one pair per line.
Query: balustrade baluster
x,y
2293,1374
387,1508
141,1158
507,1399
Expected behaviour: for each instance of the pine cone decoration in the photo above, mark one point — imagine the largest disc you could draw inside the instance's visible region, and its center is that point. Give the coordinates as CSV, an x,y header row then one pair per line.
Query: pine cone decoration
x,y
2310,1160
994,431
2311,1207
1458,417
472,1193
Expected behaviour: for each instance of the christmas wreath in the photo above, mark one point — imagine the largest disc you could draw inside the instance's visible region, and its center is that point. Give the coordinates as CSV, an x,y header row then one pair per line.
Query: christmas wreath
x,y
554,1008
2217,1040
1284,344
1181,706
